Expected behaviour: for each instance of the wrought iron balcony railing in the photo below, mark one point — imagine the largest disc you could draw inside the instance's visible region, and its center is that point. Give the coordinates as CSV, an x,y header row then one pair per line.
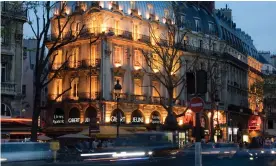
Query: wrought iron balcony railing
x,y
91,62
8,88
138,98
122,96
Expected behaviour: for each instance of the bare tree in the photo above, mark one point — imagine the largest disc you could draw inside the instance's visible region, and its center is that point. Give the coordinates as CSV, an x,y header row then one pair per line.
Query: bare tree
x,y
66,32
165,61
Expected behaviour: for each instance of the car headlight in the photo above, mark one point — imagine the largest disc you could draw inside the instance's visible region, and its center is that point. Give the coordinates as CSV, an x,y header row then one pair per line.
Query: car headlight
x,y
273,152
150,152
3,159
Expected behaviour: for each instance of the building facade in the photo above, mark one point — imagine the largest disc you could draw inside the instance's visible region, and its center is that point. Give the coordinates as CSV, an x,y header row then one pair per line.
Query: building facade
x,y
94,68
13,16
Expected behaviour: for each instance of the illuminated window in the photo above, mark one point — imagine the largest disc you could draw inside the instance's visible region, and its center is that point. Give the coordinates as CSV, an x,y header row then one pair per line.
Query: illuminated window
x,y
118,56
58,83
137,87
166,13
93,56
174,92
150,9
132,5
74,90
137,60
94,86
116,27
74,58
135,32
77,28
58,59
156,89
155,63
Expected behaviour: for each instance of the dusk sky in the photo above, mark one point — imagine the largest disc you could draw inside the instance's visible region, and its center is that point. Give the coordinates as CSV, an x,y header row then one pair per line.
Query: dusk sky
x,y
258,19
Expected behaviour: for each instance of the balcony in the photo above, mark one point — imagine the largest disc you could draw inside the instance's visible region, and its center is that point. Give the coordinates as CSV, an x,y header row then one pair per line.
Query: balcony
x,y
122,97
139,98
85,96
8,88
193,49
94,63
73,64
82,96
143,38
52,97
156,100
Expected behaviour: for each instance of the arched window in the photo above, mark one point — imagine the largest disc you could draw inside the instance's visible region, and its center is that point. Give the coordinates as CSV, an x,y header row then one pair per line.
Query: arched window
x,y
137,117
58,116
113,118
74,115
5,110
90,113
155,117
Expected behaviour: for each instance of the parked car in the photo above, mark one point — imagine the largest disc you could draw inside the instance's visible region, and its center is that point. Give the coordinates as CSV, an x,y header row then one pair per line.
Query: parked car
x,y
25,151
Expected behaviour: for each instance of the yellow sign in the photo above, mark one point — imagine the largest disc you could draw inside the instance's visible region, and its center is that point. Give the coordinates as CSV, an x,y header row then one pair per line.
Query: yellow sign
x,y
54,145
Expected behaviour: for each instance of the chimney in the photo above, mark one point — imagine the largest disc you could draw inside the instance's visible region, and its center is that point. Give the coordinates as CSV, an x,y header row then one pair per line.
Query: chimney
x,y
227,12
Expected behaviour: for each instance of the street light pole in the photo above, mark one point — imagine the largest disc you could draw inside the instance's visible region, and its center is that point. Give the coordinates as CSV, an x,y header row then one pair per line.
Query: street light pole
x,y
217,100
117,90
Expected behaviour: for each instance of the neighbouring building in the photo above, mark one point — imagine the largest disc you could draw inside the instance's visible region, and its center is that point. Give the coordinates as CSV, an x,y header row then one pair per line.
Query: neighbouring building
x,y
13,16
94,68
29,55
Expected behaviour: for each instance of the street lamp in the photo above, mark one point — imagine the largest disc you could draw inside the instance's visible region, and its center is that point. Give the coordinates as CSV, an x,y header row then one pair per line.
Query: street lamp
x,y
232,135
117,91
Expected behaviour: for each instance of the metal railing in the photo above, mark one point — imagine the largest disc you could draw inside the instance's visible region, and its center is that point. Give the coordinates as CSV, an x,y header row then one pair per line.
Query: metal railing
x,y
91,62
194,49
74,64
122,97
86,95
8,88
138,98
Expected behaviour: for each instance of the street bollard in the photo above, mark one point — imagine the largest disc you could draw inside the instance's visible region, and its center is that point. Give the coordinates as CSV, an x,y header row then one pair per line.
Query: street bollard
x,y
54,146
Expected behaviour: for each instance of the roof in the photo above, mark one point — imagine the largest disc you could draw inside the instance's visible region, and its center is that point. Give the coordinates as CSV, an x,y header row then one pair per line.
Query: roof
x,y
262,59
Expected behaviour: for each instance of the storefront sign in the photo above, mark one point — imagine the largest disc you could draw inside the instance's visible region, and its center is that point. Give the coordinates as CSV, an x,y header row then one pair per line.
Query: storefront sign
x,y
137,120
74,120
254,123
58,119
113,119
155,119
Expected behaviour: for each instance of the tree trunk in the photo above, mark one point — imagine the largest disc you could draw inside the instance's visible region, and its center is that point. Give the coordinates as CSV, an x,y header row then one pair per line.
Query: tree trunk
x,y
36,113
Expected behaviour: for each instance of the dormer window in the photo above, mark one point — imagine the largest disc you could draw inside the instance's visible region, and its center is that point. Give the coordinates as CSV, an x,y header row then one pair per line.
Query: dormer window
x,y
150,9
132,5
182,21
197,25
211,28
166,13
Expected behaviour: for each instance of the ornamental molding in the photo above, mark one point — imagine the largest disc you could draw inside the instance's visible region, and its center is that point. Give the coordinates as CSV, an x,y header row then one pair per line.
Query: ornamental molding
x,y
118,71
137,74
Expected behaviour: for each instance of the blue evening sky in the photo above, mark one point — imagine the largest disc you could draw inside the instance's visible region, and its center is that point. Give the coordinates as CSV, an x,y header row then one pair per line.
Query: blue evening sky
x,y
258,19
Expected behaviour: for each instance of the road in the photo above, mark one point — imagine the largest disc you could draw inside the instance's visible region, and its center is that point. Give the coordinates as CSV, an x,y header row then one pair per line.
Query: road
x,y
168,161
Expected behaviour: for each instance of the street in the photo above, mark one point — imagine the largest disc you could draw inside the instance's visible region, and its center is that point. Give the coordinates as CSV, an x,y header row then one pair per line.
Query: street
x,y
182,160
